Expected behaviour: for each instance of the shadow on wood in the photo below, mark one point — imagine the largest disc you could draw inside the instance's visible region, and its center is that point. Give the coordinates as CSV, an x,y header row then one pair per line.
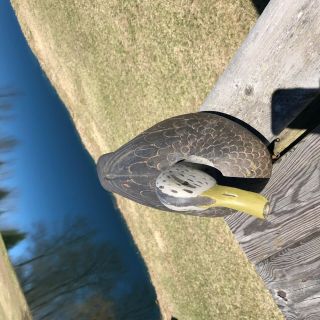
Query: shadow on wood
x,y
286,104
260,5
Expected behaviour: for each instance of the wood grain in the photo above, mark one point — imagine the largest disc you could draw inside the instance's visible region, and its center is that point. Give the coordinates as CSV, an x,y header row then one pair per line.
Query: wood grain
x,y
275,74
286,247
273,77
294,193
293,277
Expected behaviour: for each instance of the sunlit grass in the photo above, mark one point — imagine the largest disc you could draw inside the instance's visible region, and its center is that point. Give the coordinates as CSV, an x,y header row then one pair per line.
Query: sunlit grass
x,y
121,66
12,302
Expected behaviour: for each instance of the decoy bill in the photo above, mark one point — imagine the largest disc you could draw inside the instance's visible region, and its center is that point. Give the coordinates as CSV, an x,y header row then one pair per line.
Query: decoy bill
x,y
163,166
183,188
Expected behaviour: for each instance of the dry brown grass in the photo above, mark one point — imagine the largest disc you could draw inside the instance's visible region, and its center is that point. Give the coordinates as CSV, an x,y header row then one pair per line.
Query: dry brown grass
x,y
121,66
13,305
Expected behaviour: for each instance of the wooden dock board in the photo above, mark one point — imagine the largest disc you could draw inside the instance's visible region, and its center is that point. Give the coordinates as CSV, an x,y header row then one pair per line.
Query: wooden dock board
x,y
270,81
286,248
275,73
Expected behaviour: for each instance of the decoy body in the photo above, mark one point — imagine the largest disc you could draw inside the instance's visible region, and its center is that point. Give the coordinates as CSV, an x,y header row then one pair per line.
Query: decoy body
x,y
168,167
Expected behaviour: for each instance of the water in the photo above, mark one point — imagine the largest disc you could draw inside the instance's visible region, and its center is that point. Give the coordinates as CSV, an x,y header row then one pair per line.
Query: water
x,y
54,184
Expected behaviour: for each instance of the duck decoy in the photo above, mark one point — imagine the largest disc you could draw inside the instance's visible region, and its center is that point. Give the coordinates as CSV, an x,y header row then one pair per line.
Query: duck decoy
x,y
191,164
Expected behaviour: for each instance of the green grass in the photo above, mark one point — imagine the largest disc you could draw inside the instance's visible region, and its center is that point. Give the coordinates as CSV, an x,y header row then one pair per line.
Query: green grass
x,y
121,66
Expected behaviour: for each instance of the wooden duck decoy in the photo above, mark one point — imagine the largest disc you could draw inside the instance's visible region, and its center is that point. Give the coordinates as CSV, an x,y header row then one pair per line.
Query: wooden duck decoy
x,y
166,167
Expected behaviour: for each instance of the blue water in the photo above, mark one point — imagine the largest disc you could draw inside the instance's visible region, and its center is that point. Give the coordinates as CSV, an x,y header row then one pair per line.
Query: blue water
x,y
51,174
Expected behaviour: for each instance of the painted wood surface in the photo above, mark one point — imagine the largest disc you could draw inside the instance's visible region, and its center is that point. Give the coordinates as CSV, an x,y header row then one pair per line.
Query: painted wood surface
x,y
275,74
286,248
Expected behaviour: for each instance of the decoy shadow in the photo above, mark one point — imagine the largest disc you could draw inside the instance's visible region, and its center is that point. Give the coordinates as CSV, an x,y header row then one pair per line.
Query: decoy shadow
x,y
260,5
300,104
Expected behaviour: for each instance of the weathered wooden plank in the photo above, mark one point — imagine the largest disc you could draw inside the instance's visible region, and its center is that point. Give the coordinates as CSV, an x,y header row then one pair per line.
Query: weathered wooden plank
x,y
273,77
293,277
275,73
294,195
286,248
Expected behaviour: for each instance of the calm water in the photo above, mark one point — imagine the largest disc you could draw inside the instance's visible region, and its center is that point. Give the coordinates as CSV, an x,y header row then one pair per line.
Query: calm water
x,y
56,197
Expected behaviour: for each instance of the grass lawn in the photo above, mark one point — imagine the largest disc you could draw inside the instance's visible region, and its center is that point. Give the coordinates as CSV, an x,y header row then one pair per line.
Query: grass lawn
x,y
13,305
121,66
